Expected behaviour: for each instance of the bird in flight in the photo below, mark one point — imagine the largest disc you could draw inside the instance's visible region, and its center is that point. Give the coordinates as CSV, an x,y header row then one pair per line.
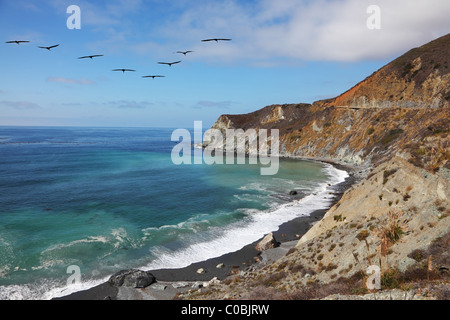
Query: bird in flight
x,y
169,63
93,56
17,41
216,40
123,70
48,48
184,52
153,77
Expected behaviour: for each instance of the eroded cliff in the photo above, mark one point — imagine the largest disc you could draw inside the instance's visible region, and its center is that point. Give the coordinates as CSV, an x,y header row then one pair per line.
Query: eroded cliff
x,y
403,108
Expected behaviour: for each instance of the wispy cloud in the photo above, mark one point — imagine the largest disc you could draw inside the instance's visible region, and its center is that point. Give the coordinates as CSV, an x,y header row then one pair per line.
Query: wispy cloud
x,y
70,81
329,30
129,104
213,104
101,13
20,104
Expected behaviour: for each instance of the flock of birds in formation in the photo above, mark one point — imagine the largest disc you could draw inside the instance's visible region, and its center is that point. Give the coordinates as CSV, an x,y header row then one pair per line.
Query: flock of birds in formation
x,y
125,70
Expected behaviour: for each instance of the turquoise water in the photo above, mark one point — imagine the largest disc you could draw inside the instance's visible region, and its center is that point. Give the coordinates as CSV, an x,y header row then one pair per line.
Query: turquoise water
x,y
107,199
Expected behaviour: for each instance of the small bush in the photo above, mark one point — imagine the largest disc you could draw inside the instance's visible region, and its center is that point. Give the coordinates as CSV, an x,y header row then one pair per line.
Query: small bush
x,y
395,232
390,279
388,173
272,279
391,136
363,235
417,255
331,267
390,230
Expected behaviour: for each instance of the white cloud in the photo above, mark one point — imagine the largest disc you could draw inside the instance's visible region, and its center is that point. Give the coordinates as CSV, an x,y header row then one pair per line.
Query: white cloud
x,y
264,32
309,30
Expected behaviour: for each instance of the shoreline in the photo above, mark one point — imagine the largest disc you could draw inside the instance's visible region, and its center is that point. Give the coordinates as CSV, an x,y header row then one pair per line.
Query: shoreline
x,y
169,282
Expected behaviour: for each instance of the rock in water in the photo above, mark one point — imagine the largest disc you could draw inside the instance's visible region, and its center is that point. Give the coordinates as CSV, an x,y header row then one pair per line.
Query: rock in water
x,y
131,278
268,242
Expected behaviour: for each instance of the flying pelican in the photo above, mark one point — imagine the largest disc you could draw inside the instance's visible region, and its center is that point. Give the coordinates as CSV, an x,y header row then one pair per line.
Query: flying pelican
x,y
153,77
48,48
169,63
216,40
93,56
123,70
17,41
184,52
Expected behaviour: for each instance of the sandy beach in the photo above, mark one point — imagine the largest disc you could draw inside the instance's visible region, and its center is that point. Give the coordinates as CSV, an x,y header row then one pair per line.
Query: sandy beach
x,y
169,282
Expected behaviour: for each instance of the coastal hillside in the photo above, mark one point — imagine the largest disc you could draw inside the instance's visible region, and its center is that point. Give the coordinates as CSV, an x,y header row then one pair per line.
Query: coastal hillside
x,y
393,129
419,78
391,112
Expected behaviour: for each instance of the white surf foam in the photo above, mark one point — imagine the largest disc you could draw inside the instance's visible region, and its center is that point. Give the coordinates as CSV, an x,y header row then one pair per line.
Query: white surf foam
x,y
216,242
252,228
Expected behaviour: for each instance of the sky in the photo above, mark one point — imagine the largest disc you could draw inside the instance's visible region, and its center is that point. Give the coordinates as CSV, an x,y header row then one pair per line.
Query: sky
x,y
283,51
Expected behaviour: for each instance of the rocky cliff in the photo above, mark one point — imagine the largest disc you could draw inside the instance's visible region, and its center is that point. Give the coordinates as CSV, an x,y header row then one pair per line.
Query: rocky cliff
x,y
395,124
417,79
403,108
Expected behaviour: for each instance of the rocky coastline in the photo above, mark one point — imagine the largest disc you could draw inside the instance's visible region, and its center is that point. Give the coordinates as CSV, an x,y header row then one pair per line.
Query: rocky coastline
x,y
168,284
391,133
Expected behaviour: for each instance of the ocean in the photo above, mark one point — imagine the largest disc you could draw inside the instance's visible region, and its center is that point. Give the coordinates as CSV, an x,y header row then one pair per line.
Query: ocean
x,y
107,199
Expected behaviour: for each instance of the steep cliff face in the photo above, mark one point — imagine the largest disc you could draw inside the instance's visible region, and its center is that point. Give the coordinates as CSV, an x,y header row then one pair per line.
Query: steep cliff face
x,y
351,135
418,79
401,109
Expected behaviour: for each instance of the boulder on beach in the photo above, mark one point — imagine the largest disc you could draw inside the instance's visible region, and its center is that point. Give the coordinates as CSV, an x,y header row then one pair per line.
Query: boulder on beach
x,y
131,278
268,242
201,271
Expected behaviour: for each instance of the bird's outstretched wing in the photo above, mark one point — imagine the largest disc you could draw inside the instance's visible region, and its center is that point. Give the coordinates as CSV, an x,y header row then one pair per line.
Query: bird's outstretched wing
x,y
216,39
123,70
157,76
51,47
17,41
169,63
93,56
185,52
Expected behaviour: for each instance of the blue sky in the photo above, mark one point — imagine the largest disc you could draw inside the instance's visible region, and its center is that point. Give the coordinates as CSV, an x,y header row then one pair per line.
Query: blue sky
x,y
284,51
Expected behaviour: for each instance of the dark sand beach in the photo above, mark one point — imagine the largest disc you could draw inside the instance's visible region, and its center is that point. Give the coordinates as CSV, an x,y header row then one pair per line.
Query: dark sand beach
x,y
169,282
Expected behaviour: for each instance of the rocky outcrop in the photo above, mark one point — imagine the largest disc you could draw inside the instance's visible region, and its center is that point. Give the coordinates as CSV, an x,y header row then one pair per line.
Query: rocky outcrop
x,y
397,197
348,135
402,108
418,79
131,278
268,242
